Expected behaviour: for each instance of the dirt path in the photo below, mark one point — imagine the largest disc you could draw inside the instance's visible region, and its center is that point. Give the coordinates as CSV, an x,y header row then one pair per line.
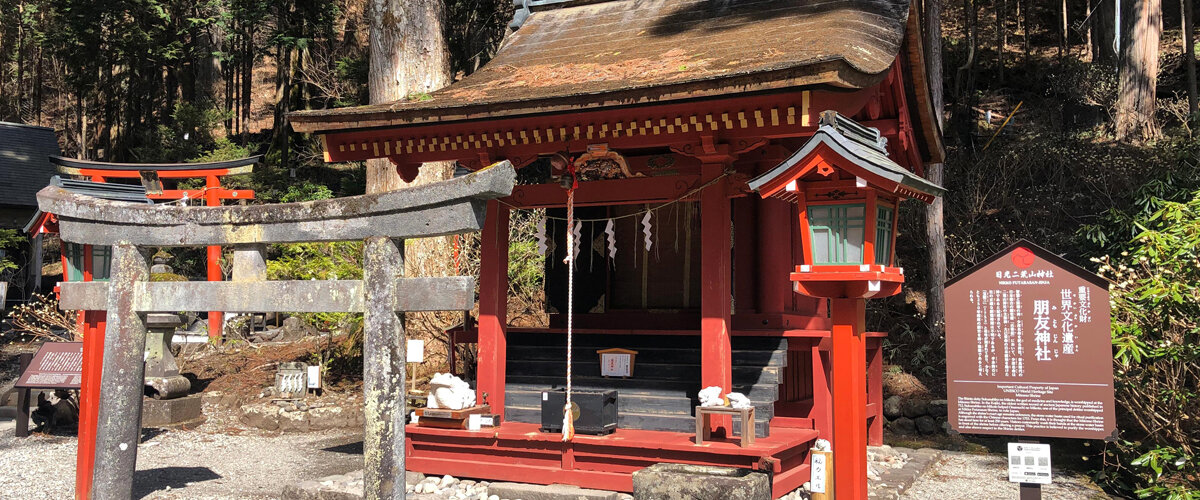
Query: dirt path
x,y
183,464
976,477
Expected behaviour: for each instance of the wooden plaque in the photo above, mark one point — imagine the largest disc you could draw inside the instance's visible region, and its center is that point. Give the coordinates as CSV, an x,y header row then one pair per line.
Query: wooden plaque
x,y
1029,348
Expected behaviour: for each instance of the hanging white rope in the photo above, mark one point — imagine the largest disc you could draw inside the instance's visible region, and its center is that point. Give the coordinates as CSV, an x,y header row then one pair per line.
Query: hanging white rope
x,y
568,428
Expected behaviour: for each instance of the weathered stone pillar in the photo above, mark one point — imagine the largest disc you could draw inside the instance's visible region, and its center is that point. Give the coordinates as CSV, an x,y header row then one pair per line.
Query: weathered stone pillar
x,y
121,381
383,371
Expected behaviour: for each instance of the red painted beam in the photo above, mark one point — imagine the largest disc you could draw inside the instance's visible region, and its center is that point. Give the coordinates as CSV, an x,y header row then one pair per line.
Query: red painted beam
x,y
223,194
607,192
493,307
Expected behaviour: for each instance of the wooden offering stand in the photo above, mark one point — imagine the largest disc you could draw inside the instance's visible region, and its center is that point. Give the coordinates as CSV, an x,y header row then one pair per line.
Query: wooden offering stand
x,y
444,418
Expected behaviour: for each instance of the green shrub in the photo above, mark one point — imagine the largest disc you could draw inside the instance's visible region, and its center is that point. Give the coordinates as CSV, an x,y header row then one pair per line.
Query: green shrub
x,y
1156,335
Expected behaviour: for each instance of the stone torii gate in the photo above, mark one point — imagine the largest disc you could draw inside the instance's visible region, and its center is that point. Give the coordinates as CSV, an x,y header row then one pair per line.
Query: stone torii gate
x,y
449,207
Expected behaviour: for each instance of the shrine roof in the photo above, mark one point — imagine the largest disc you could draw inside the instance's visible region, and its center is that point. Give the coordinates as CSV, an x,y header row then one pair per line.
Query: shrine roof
x,y
861,146
573,54
133,193
24,164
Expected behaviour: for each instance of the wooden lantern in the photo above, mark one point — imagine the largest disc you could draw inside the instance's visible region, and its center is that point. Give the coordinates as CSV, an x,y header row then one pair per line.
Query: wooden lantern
x,y
848,191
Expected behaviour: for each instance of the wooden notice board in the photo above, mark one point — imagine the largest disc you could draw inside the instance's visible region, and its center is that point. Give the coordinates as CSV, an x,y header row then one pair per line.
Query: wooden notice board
x,y
1029,348
57,365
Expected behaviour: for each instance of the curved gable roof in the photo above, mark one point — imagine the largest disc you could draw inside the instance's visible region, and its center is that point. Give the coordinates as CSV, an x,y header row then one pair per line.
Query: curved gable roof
x,y
586,54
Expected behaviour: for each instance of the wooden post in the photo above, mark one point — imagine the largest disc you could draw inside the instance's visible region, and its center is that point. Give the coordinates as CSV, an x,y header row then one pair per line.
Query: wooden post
x,y
875,390
383,371
216,319
849,398
89,399
122,379
23,395
716,359
774,256
821,413
493,308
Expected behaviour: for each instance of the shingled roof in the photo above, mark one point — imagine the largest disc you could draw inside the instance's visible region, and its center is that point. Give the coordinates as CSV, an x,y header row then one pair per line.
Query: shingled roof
x,y
572,54
24,162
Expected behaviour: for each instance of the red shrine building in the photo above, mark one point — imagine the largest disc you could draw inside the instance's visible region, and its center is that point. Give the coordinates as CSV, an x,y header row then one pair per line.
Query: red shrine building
x,y
746,161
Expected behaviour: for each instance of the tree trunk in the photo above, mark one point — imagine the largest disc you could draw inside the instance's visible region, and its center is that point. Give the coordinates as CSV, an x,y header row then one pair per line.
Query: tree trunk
x,y
20,88
934,229
1001,38
1064,40
1189,52
1137,73
408,56
1103,32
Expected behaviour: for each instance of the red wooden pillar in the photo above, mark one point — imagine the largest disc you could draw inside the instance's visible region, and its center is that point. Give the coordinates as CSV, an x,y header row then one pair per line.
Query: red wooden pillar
x,y
493,307
821,413
92,327
215,318
716,357
774,256
848,371
875,390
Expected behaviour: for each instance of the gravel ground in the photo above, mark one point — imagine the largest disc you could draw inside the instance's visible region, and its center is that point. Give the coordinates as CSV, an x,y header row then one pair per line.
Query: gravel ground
x,y
970,476
183,464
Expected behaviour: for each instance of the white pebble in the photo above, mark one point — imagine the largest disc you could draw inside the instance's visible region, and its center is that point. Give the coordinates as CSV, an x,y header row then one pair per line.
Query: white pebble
x,y
494,497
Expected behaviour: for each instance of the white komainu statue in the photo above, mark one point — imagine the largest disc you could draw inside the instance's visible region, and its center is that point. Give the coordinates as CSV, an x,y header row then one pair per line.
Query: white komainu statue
x,y
450,392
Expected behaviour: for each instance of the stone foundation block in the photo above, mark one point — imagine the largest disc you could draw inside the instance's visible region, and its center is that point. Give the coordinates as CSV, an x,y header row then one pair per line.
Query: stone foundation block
x,y
699,482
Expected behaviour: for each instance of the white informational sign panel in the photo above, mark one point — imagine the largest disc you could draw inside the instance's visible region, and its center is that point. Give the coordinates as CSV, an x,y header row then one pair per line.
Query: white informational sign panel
x,y
819,470
615,364
314,376
416,351
1029,463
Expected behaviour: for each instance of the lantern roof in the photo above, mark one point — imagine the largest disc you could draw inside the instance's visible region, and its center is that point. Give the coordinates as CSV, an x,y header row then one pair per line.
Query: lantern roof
x,y
573,54
859,150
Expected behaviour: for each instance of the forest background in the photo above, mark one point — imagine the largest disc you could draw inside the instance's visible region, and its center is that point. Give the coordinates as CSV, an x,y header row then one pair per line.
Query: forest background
x,y
1061,127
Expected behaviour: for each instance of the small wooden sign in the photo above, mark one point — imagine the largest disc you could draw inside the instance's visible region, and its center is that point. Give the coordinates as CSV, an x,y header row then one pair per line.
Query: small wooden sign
x,y
57,365
616,362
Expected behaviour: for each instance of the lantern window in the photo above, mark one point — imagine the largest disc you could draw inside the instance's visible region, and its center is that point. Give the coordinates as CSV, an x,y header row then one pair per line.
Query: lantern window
x,y
837,233
883,234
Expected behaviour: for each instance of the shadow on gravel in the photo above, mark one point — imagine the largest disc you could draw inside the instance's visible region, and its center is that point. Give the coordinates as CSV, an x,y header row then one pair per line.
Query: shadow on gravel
x,y
149,481
348,448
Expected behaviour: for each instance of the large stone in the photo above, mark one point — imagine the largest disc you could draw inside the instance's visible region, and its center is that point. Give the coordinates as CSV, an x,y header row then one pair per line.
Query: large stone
x,y
550,492
293,421
903,425
913,408
171,412
939,408
926,424
327,417
891,407
265,417
699,482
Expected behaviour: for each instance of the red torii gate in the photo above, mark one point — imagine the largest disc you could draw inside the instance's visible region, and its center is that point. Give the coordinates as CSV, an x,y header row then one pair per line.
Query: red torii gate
x,y
93,322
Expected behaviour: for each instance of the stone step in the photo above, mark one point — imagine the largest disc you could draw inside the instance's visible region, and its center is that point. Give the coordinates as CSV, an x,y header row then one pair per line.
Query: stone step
x,y
590,367
636,420
634,402
669,388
